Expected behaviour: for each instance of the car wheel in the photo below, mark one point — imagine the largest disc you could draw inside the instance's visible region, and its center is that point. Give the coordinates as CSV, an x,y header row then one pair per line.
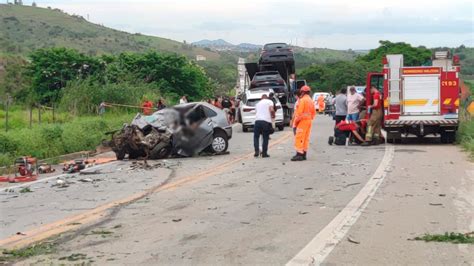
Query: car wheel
x,y
281,127
160,151
244,128
220,142
40,171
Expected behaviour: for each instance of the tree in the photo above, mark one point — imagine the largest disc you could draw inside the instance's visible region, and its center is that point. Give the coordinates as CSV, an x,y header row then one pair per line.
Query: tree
x,y
412,56
51,69
332,76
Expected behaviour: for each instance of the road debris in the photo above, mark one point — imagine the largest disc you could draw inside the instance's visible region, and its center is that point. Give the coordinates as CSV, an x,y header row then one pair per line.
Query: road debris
x,y
96,172
25,190
177,220
442,195
45,168
436,204
352,240
74,257
77,165
20,234
303,213
61,183
352,184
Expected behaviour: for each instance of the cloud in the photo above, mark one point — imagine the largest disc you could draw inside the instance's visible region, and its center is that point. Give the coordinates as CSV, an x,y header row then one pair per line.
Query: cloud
x,y
391,26
312,22
222,26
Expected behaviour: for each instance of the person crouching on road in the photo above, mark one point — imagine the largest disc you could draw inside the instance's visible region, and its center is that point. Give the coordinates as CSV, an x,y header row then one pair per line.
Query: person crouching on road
x,y
375,120
263,125
304,115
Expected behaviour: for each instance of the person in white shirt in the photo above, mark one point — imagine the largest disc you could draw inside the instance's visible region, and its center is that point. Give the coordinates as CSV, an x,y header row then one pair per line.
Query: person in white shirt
x,y
354,100
183,99
263,125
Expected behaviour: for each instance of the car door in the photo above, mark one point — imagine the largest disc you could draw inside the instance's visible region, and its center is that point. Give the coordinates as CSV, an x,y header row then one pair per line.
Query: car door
x,y
197,134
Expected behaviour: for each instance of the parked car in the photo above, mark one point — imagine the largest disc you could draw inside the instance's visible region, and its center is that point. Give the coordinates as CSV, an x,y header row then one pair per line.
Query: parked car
x,y
246,112
185,130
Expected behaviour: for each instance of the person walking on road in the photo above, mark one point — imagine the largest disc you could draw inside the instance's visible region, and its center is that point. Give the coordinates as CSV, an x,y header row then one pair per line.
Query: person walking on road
x,y
374,124
340,103
226,106
304,115
263,125
321,103
354,101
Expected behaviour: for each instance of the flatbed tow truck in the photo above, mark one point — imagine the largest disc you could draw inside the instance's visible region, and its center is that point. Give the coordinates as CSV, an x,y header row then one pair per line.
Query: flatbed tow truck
x,y
284,68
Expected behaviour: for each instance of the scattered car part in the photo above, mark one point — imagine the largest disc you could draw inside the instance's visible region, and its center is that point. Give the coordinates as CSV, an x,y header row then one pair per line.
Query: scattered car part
x,y
45,168
77,165
26,170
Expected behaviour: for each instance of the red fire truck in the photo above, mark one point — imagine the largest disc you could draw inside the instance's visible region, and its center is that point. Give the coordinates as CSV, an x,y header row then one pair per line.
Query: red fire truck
x,y
419,100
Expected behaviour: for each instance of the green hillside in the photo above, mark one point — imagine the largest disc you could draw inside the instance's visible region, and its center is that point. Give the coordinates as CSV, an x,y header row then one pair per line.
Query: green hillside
x,y
25,28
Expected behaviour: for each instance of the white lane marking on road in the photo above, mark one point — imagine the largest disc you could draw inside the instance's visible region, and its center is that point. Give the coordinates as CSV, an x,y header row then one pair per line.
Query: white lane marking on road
x,y
316,251
27,184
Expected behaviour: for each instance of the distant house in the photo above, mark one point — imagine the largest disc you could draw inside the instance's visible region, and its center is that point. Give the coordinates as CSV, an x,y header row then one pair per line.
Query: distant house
x,y
200,58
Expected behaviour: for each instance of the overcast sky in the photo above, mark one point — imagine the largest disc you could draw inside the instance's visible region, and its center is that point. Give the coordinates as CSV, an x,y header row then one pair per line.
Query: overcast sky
x,y
338,24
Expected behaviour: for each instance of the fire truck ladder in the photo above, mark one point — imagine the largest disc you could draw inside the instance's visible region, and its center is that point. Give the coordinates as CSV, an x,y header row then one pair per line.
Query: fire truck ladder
x,y
395,82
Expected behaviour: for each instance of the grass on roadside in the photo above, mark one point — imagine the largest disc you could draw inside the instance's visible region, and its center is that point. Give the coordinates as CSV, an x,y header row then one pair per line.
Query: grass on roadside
x,y
35,250
466,136
452,237
51,140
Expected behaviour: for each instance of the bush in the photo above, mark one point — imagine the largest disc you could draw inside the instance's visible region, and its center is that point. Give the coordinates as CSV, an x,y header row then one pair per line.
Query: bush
x,y
466,136
84,97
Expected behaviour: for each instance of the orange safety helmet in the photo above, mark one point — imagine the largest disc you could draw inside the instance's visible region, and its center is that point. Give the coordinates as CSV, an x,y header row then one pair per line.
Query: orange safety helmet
x,y
305,88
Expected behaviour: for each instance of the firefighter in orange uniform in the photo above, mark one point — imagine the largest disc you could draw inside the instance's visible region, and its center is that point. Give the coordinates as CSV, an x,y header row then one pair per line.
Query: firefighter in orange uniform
x,y
303,120
321,103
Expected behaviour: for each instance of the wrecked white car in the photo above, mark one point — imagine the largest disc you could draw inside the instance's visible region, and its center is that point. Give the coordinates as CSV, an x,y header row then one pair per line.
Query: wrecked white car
x,y
183,130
